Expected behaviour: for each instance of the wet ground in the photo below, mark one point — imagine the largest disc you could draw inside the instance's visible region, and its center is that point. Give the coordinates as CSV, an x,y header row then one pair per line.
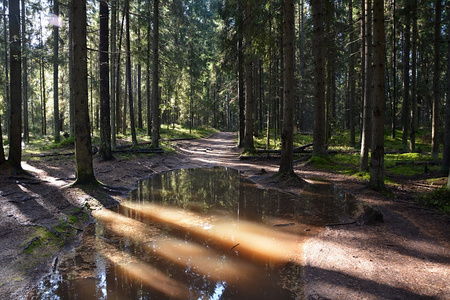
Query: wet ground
x,y
197,234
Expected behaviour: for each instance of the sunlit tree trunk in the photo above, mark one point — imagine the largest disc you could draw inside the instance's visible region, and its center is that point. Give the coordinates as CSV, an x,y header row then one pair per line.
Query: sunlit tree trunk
x,y
83,145
377,155
7,87
367,105
436,81
15,60
105,120
319,147
155,86
287,134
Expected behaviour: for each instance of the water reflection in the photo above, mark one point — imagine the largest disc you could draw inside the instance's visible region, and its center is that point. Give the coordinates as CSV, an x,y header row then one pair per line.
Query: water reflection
x,y
196,234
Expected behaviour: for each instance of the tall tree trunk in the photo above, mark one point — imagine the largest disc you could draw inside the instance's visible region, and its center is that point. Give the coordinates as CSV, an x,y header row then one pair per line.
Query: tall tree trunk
x,y
105,120
377,156
319,147
241,98
446,154
7,82
394,73
287,134
26,131
413,112
130,85
155,87
56,127
15,147
83,145
2,150
113,59
436,79
351,77
71,103
248,142
406,79
148,89
367,107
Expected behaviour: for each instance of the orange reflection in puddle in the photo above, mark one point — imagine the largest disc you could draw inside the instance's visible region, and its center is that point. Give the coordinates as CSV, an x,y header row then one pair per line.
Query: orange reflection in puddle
x,y
248,239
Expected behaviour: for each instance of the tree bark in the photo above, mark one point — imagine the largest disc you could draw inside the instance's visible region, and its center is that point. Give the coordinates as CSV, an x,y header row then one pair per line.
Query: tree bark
x,y
26,131
436,79
351,77
113,59
406,78
248,142
241,98
15,60
287,134
319,80
56,127
446,154
155,86
83,145
129,82
105,120
377,156
367,107
7,81
413,112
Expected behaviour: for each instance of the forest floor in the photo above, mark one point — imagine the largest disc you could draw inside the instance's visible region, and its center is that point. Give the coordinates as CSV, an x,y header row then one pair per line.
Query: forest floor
x,y
405,257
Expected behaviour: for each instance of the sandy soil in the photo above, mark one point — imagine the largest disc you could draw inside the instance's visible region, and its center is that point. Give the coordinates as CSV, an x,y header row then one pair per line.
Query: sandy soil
x,y
405,257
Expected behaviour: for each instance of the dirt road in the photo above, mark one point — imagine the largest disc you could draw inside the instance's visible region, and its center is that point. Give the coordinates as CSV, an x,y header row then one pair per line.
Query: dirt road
x,y
406,257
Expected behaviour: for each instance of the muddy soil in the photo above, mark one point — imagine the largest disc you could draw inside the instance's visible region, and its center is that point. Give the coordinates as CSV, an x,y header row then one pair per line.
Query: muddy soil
x,y
405,257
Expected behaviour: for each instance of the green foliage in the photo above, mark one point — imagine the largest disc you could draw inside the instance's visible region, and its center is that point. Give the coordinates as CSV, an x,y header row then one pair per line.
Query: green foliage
x,y
438,199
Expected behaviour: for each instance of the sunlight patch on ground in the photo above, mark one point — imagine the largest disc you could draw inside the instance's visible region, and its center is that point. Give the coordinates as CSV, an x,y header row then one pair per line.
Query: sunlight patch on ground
x,y
49,179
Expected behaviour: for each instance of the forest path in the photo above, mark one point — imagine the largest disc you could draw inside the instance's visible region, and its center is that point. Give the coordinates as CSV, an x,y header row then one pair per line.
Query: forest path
x,y
406,257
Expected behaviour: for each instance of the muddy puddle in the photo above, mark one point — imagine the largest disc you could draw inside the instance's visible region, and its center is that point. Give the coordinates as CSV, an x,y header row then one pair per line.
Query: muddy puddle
x,y
197,234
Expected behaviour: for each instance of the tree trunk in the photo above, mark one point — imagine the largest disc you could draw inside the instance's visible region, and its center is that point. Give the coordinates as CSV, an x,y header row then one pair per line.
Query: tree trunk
x,y
71,104
83,145
7,82
394,74
56,128
26,131
105,120
112,68
15,147
367,107
287,134
351,77
241,98
413,112
436,79
446,154
319,80
155,87
377,156
406,69
130,86
248,143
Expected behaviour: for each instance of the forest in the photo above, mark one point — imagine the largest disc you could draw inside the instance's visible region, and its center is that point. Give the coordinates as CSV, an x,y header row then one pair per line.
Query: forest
x,y
271,70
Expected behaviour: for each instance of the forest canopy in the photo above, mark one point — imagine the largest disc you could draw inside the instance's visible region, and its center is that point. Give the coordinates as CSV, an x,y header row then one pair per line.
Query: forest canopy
x,y
357,66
